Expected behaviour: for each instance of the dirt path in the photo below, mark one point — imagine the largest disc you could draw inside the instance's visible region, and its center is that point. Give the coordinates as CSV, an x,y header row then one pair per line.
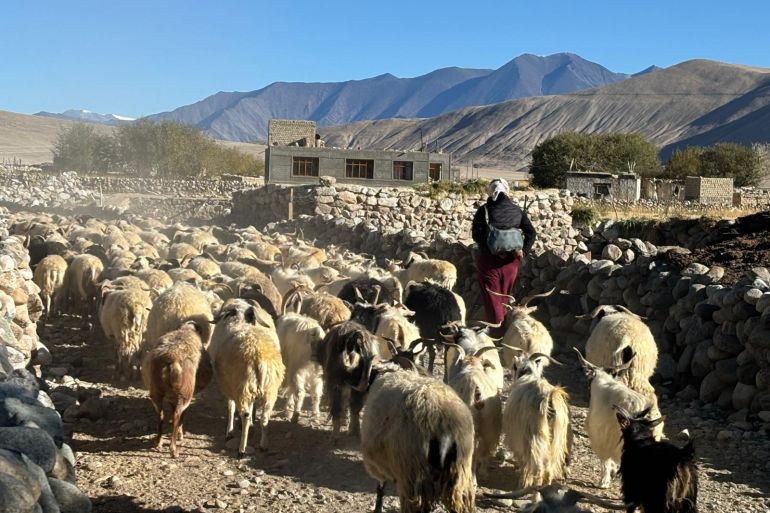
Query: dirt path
x,y
303,472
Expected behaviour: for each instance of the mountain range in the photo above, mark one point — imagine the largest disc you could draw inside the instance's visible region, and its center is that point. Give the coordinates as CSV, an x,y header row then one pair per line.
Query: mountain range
x,y
243,116
86,116
696,102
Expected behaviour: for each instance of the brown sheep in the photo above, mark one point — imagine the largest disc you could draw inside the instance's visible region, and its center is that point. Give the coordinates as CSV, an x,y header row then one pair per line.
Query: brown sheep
x,y
49,276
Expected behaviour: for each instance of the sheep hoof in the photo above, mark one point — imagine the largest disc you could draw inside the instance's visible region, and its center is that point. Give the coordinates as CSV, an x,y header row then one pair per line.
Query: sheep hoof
x,y
295,418
241,455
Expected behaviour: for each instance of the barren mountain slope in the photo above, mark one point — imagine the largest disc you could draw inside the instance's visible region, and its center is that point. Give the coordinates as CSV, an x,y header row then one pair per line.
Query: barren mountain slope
x,y
666,105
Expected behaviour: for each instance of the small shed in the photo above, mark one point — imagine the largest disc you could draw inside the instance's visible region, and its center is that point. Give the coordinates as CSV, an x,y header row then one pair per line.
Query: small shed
x,y
625,186
708,190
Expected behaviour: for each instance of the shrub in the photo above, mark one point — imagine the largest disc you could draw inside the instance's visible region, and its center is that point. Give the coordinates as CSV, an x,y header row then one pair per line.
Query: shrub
x,y
743,164
584,215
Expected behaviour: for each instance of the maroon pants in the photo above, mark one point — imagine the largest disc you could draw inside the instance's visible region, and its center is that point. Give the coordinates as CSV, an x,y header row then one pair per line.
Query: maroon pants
x,y
498,275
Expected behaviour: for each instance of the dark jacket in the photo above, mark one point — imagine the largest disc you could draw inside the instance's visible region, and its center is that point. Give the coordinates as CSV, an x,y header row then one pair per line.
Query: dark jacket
x,y
503,214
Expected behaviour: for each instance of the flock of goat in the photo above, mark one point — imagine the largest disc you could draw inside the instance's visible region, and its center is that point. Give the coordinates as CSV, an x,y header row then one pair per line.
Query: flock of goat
x,y
265,312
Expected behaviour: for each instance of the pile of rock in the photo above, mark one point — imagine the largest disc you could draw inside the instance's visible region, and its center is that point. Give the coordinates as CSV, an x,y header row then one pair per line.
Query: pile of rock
x,y
43,190
37,469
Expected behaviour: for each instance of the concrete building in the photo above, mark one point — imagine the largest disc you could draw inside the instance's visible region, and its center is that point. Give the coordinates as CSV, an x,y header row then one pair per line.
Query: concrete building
x,y
625,186
295,154
709,191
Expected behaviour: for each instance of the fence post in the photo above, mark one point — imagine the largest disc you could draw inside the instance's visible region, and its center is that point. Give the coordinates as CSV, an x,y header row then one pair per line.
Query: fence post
x,y
291,204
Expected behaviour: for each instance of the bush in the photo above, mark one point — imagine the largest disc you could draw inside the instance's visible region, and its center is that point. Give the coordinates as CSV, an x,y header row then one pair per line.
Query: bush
x,y
741,163
164,149
584,215
552,158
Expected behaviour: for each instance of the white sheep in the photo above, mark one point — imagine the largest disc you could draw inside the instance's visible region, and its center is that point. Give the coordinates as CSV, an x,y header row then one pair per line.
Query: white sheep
x,y
471,340
245,352
419,268
300,337
49,277
182,302
392,324
123,317
602,426
536,423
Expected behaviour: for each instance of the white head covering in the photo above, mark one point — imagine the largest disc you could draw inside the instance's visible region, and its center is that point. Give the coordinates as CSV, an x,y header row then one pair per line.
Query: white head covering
x,y
497,186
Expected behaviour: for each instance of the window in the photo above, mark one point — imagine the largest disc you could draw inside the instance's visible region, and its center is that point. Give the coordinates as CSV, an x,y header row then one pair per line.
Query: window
x,y
434,171
402,170
602,189
305,166
357,168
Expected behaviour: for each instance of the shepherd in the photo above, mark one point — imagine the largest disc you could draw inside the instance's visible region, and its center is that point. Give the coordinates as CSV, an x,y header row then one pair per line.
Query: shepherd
x,y
504,235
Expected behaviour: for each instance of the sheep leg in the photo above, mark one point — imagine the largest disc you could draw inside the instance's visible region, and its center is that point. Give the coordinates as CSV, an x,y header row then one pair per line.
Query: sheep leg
x,y
356,405
267,409
299,398
335,410
180,435
245,425
316,393
431,358
159,436
380,496
176,418
607,467
230,419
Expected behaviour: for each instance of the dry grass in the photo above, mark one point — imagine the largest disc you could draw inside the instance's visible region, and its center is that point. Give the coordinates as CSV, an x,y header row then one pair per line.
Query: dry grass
x,y
662,213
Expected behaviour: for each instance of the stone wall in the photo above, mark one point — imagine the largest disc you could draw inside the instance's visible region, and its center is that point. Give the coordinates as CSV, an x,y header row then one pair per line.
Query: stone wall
x,y
38,467
392,209
751,198
623,187
282,132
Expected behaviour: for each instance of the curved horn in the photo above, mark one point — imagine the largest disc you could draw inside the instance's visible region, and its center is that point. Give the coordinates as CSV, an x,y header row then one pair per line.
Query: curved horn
x,y
511,348
601,501
527,299
457,346
510,297
626,310
489,324
377,290
483,350
516,494
583,361
543,355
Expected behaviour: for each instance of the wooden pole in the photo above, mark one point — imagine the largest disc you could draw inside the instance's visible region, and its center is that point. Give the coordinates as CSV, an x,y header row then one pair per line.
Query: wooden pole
x,y
291,203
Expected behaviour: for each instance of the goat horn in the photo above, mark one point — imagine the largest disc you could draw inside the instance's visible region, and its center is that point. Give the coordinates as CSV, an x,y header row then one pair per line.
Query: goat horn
x,y
501,295
458,347
583,361
601,501
543,355
626,310
512,348
377,290
514,495
483,350
489,324
527,299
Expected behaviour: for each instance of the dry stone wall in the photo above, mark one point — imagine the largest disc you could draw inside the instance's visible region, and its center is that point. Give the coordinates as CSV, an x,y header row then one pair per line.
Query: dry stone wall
x,y
38,466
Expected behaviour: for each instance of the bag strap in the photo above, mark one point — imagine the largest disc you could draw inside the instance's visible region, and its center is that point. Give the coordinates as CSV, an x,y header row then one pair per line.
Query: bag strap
x,y
486,214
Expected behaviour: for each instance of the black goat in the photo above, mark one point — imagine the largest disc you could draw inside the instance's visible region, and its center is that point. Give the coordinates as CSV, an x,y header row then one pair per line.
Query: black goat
x,y
347,354
434,307
368,290
657,476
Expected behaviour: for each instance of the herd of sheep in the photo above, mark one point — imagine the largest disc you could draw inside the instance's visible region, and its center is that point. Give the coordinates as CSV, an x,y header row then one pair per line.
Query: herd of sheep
x,y
265,315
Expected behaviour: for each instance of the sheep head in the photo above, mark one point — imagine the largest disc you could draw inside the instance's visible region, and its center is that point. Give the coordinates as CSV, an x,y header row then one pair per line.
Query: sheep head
x,y
592,370
523,307
637,427
525,364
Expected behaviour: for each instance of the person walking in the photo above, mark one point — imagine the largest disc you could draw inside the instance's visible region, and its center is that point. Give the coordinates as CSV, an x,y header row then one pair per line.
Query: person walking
x,y
504,235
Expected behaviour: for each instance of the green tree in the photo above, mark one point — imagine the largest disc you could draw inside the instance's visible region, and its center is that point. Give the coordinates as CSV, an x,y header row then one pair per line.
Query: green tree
x,y
80,148
613,153
731,160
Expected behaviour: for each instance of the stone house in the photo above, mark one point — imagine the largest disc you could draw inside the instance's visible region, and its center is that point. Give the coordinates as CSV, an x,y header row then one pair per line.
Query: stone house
x,y
624,186
295,154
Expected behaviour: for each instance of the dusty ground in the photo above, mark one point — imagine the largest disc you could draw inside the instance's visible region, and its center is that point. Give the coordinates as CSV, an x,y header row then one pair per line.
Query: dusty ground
x,y
304,472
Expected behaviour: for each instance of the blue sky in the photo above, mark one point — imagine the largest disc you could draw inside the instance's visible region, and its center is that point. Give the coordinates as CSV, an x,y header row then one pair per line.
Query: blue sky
x,y
139,57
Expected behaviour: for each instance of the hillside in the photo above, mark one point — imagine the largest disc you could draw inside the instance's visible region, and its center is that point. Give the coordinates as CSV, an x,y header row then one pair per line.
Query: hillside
x,y
31,138
693,102
243,116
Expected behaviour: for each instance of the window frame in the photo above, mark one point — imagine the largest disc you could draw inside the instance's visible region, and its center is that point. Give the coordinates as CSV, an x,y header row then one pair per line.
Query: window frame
x,y
431,167
304,162
598,186
359,169
403,170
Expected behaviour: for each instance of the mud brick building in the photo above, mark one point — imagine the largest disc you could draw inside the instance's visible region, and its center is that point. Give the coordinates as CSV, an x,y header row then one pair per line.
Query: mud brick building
x,y
709,191
625,186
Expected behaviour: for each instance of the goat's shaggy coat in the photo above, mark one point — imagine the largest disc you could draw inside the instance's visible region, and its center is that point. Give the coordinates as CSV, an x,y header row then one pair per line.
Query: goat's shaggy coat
x,y
300,336
479,392
328,310
537,428
346,354
419,434
173,371
658,477
434,307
